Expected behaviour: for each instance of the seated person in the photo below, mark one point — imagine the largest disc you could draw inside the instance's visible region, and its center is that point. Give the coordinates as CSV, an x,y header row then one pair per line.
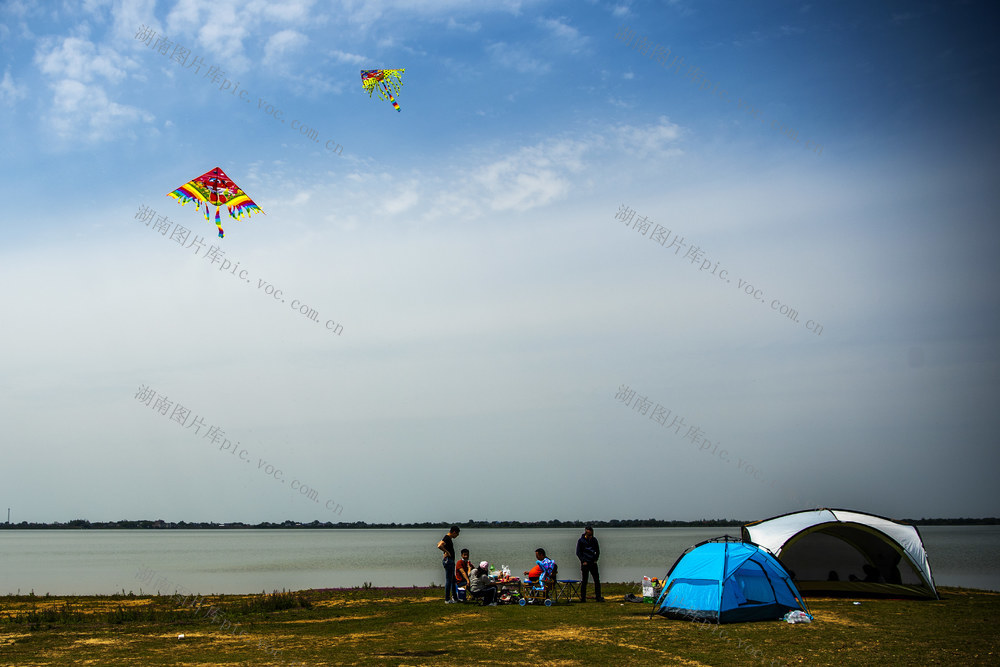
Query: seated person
x,y
479,584
535,572
871,574
462,568
888,568
542,565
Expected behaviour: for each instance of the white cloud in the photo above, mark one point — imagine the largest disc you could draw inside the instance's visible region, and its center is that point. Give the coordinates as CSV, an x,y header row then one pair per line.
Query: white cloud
x,y
519,179
401,201
81,60
532,177
224,39
367,13
19,8
648,141
10,91
129,17
516,58
226,28
83,112
349,58
183,17
471,27
96,7
220,27
681,7
282,43
565,33
81,107
293,12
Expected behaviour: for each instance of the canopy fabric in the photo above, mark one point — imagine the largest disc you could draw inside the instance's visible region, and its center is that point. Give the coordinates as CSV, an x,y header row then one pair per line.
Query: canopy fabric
x,y
727,581
834,550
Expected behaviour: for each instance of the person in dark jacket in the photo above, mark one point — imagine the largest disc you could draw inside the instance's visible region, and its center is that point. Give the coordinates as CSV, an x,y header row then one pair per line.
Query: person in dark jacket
x,y
588,551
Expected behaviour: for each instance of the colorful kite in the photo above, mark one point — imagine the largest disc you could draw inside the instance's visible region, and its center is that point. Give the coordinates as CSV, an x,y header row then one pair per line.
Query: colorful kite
x,y
214,187
371,78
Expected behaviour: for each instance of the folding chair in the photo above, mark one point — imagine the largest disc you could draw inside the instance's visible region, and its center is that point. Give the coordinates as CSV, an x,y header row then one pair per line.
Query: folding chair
x,y
567,589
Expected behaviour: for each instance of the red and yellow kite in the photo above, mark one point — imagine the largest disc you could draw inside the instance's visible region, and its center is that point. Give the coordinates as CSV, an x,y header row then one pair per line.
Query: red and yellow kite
x,y
376,79
214,187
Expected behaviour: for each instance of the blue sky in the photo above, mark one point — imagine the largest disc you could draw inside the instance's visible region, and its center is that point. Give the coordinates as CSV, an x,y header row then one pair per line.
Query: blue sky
x,y
474,251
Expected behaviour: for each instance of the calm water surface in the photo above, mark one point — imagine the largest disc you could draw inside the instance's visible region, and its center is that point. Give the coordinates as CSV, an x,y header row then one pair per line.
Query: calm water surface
x,y
87,562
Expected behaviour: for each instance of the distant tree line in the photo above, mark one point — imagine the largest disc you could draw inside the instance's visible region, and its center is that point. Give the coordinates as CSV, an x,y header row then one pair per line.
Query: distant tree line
x,y
988,521
159,524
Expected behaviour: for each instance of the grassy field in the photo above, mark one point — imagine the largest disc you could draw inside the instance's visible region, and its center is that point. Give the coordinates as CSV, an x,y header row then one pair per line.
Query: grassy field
x,y
414,627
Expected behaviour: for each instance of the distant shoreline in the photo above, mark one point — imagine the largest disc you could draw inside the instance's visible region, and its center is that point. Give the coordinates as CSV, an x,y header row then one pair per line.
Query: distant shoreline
x,y
83,524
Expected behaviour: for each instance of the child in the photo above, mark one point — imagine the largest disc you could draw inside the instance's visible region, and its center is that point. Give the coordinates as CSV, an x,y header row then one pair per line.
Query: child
x,y
462,568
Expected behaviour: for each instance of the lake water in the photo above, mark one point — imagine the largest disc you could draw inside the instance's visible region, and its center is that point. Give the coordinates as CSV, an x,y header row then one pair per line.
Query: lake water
x,y
88,562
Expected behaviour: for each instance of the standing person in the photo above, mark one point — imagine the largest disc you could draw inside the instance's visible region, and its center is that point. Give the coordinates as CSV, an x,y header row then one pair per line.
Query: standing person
x,y
462,568
588,551
448,547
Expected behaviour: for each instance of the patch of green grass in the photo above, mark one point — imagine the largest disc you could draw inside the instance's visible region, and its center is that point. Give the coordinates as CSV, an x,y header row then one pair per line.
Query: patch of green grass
x,y
413,626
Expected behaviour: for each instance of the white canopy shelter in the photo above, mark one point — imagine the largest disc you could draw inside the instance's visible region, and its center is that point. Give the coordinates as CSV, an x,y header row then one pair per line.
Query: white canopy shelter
x,y
832,550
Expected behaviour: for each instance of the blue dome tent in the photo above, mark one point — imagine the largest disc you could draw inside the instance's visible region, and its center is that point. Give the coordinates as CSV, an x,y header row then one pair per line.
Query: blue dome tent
x,y
728,581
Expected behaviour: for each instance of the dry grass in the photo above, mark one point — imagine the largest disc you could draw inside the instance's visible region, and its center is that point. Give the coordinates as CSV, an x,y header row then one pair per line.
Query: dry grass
x,y
414,627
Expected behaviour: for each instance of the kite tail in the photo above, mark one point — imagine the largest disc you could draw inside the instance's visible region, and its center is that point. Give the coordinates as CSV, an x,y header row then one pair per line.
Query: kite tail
x,y
218,222
391,98
206,212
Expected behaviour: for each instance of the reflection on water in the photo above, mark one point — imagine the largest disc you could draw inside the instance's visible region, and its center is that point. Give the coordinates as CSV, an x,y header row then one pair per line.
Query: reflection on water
x,y
85,562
